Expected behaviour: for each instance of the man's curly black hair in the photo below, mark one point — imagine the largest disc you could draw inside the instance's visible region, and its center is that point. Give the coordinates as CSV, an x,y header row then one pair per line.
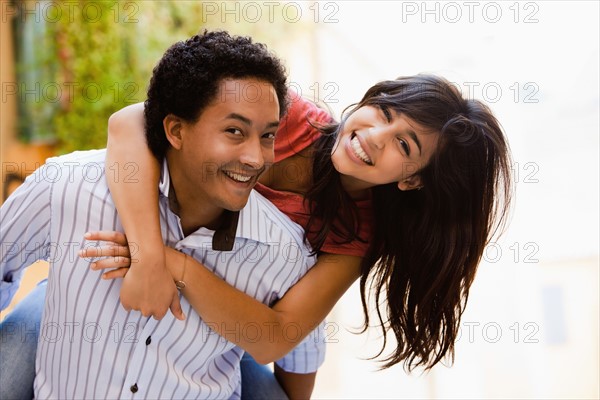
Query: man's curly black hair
x,y
187,78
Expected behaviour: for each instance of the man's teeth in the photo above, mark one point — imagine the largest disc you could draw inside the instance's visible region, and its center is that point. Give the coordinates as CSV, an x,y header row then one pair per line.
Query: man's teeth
x,y
237,177
358,150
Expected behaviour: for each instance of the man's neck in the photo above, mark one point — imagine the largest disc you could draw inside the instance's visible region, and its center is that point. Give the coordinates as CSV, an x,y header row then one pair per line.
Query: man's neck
x,y
191,220
193,213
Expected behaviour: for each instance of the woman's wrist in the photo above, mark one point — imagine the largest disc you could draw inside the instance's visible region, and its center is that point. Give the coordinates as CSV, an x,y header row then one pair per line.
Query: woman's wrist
x,y
174,262
180,284
148,259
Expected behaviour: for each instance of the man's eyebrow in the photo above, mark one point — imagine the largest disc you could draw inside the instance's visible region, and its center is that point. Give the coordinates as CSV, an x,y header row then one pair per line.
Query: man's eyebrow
x,y
274,124
414,137
240,118
247,121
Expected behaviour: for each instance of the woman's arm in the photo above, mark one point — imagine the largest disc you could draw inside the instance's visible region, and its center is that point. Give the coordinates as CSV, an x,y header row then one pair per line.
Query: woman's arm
x,y
133,182
225,308
306,304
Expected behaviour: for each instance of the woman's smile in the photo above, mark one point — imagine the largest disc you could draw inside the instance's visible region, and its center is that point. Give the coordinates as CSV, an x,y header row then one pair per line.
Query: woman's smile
x,y
355,147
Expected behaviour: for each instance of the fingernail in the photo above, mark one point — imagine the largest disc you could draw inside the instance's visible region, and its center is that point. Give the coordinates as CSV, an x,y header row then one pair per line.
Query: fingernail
x,y
87,235
93,265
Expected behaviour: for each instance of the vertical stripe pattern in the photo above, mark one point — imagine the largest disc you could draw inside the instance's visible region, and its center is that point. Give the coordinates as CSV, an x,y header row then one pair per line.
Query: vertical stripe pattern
x,y
89,346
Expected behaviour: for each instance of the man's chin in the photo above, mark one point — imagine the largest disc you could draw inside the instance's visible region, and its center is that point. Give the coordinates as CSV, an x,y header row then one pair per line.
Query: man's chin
x,y
237,206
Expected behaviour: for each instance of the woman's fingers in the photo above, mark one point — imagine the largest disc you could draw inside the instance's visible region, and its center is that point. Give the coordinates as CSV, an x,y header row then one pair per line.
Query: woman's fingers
x,y
115,251
107,250
110,263
115,273
107,236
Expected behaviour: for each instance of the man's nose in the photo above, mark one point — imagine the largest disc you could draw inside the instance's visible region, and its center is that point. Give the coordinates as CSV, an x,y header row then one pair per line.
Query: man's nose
x,y
252,154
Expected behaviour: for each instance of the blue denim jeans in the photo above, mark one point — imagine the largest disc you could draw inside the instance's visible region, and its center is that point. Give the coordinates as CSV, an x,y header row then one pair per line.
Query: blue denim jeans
x,y
258,382
19,333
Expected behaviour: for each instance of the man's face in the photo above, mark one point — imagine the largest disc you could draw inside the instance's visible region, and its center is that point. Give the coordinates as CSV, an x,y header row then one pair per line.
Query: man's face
x,y
223,153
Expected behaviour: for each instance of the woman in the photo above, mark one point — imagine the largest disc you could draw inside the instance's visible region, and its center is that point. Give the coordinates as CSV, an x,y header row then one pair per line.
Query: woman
x,y
404,192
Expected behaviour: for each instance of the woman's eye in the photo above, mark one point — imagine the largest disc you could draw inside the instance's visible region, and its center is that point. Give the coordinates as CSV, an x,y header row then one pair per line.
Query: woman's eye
x,y
404,146
270,136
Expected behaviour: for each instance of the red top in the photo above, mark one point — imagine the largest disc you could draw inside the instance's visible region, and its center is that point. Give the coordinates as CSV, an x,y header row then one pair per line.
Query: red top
x,y
294,135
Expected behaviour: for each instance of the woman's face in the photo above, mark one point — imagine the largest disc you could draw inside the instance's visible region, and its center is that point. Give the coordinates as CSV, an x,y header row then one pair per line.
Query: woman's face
x,y
378,146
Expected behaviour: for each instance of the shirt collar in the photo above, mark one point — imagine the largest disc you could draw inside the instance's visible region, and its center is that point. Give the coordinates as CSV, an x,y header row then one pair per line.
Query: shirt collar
x,y
165,180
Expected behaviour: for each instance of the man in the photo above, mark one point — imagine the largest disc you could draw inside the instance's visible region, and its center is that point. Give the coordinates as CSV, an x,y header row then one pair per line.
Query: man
x,y
213,107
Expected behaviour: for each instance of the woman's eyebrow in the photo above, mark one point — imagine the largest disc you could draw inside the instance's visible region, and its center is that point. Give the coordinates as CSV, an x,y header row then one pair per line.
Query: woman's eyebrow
x,y
414,137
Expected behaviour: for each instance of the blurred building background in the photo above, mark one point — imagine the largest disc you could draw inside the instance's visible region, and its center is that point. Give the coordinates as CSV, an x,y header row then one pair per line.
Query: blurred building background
x,y
531,328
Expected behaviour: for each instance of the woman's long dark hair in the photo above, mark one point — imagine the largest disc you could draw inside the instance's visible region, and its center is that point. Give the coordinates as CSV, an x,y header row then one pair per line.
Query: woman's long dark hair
x,y
427,243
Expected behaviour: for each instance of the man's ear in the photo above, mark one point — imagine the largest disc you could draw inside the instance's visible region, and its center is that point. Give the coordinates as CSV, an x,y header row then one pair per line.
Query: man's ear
x,y
173,126
410,183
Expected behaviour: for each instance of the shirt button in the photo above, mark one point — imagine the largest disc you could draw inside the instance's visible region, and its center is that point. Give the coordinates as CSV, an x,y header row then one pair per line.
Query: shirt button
x,y
133,388
149,340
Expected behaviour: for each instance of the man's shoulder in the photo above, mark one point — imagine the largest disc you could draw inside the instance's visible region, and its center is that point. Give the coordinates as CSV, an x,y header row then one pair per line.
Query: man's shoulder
x,y
73,167
78,158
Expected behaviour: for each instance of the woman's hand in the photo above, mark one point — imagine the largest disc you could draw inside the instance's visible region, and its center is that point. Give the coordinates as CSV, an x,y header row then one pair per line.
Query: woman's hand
x,y
117,259
115,252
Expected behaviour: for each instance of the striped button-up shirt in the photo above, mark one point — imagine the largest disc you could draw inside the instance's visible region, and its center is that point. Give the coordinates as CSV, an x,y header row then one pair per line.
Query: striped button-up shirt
x,y
89,346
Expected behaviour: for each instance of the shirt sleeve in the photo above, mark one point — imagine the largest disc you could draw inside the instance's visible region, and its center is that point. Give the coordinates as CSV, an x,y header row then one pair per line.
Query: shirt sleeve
x,y
308,355
24,230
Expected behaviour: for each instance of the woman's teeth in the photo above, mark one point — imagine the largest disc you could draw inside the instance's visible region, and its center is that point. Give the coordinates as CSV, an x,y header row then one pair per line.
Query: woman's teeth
x,y
238,177
358,150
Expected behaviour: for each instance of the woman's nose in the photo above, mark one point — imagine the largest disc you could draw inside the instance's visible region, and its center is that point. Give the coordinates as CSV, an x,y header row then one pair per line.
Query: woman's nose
x,y
377,136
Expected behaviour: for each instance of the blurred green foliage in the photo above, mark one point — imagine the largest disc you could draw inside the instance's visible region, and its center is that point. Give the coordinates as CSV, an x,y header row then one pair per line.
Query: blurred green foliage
x,y
78,62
